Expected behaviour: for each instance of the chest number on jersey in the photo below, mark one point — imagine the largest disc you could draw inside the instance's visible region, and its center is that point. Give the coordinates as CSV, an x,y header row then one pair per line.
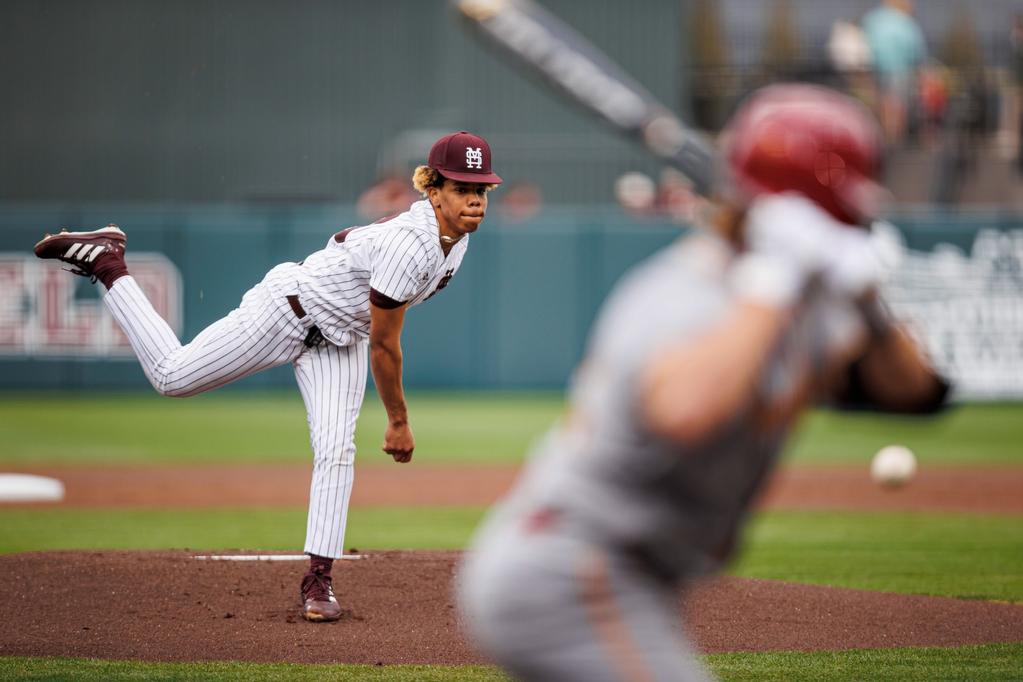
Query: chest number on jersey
x,y
442,283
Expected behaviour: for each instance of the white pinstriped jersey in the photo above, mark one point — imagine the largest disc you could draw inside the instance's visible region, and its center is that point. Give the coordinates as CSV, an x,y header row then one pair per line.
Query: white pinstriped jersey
x,y
400,258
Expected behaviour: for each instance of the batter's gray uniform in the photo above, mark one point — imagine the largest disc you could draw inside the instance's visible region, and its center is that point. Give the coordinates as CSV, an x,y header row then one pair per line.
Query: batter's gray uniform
x,y
315,315
575,575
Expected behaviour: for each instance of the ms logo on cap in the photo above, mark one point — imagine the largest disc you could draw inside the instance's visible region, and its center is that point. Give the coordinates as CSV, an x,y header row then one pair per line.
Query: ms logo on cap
x,y
463,157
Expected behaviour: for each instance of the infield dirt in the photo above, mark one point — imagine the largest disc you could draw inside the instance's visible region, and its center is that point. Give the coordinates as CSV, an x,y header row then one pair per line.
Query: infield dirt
x,y
167,606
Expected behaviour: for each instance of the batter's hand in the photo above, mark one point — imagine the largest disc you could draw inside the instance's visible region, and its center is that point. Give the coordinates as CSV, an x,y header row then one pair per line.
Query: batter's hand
x,y
788,239
855,265
793,231
398,442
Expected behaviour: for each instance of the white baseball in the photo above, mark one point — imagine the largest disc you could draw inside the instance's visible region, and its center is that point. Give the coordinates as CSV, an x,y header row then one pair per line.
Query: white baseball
x,y
893,466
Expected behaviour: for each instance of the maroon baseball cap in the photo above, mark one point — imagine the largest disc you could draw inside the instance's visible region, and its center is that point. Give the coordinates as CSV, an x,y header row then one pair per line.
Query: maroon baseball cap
x,y
464,157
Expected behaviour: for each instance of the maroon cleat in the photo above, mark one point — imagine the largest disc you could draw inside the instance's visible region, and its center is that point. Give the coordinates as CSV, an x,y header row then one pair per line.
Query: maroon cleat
x,y
318,602
81,249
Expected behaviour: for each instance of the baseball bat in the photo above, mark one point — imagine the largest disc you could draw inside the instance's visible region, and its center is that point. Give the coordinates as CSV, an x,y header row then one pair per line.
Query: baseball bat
x,y
544,45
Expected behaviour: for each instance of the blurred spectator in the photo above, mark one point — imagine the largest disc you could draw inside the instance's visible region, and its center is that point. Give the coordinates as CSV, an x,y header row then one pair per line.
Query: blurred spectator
x,y
636,193
675,197
960,47
850,57
389,195
671,195
519,201
848,48
1016,96
962,53
708,47
898,51
781,48
934,89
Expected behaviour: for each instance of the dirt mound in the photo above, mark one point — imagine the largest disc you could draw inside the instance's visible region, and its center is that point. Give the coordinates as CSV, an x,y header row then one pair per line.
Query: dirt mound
x,y
167,606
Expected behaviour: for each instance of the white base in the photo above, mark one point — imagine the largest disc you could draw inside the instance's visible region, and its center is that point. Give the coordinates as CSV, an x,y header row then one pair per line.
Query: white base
x,y
30,488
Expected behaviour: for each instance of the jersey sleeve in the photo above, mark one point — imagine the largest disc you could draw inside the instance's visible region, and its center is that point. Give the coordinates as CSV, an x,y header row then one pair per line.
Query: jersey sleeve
x,y
400,264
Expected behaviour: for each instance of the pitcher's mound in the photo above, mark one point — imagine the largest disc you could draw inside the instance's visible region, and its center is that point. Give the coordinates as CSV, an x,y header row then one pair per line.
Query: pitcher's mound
x,y
168,606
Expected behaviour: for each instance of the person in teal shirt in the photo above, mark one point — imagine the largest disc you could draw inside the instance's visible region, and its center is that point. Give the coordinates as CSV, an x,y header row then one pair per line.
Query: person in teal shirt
x,y
898,51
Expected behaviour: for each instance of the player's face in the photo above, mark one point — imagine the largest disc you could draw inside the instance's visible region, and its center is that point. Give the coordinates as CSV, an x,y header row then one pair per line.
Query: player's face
x,y
460,206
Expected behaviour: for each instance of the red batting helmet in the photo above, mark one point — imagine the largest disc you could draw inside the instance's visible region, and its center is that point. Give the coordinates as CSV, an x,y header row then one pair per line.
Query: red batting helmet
x,y
811,140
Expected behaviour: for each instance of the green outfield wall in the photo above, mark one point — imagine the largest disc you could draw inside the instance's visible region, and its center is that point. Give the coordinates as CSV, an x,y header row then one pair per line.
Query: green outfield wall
x,y
516,315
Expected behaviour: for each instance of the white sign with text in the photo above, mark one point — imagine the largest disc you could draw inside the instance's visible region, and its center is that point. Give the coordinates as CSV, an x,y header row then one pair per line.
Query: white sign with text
x,y
968,308
45,312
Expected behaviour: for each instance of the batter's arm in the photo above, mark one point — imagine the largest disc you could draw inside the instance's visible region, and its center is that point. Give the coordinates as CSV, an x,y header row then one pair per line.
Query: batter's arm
x,y
689,390
894,373
385,361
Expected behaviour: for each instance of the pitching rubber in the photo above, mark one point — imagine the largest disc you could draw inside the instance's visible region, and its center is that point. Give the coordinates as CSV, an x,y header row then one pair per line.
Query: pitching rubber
x,y
264,557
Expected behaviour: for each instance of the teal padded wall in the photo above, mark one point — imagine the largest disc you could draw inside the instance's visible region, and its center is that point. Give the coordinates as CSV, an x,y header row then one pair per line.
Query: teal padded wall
x,y
515,316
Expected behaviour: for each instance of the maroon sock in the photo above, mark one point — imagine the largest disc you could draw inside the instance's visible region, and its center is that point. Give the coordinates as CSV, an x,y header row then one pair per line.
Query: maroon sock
x,y
109,267
320,564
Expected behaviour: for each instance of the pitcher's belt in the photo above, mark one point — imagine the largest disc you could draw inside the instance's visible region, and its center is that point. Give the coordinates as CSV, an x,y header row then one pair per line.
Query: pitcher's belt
x,y
314,337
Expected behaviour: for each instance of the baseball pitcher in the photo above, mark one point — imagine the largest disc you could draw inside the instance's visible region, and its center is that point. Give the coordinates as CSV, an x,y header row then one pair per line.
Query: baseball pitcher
x,y
326,316
699,363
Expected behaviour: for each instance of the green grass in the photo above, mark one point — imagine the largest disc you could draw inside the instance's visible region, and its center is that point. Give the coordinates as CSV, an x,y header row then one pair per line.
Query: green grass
x,y
989,663
23,530
449,427
969,664
88,670
954,555
968,556
268,427
982,433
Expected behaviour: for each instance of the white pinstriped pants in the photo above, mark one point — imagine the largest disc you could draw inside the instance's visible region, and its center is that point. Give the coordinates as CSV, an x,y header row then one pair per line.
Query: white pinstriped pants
x,y
263,332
